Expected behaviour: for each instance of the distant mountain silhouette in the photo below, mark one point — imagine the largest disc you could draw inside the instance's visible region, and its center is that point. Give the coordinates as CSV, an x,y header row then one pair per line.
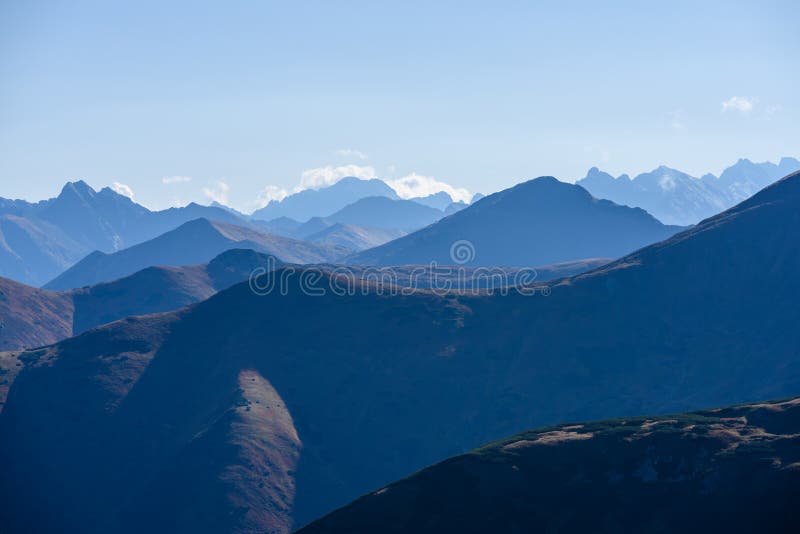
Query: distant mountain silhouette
x,y
325,201
325,231
439,201
454,207
383,212
194,242
353,237
31,317
260,413
40,240
674,197
539,222
675,473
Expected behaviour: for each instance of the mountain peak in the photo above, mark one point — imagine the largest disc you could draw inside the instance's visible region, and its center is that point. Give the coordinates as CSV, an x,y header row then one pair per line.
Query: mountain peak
x,y
78,188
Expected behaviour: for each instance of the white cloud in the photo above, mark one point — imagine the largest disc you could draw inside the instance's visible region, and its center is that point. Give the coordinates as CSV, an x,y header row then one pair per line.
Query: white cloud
x,y
742,104
325,176
417,185
773,109
176,179
217,192
267,195
122,189
351,152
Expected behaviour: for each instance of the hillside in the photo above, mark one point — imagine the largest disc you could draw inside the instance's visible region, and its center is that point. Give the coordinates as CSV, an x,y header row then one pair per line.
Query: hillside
x,y
252,412
195,242
539,222
674,473
31,317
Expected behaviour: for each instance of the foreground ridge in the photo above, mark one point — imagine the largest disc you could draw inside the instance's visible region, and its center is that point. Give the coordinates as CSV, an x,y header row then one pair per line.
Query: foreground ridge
x,y
729,469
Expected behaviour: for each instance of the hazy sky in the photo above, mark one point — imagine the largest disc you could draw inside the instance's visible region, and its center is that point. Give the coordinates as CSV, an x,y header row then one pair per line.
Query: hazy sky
x,y
193,101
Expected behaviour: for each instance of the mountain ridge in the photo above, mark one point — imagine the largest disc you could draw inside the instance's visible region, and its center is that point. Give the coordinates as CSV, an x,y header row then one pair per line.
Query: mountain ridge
x,y
641,336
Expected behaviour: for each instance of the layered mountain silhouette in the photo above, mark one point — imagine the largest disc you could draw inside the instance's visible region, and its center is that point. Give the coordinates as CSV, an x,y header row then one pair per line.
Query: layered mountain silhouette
x,y
31,317
387,214
439,201
40,240
326,231
538,222
194,242
675,197
353,237
724,470
252,412
322,202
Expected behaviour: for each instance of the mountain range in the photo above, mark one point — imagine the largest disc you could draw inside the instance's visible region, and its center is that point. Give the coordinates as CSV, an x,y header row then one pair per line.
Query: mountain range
x,y
308,203
538,222
32,317
251,412
38,241
674,473
194,242
675,197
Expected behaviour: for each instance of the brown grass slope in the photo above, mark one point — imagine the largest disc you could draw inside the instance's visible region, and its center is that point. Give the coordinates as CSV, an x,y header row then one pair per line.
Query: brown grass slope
x,y
726,470
379,386
31,317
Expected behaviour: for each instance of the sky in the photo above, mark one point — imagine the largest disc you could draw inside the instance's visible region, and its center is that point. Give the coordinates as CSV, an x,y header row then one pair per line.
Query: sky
x,y
241,102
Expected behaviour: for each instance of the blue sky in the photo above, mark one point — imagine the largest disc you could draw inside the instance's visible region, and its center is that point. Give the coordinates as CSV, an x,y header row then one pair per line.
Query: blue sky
x,y
242,101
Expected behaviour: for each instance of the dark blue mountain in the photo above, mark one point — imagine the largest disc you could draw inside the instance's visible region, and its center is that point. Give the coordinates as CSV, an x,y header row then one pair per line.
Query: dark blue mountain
x,y
251,412
194,242
539,222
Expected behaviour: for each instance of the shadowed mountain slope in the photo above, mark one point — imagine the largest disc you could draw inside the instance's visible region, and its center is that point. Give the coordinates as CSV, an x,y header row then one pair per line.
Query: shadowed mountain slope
x,y
538,222
726,470
150,423
31,317
195,242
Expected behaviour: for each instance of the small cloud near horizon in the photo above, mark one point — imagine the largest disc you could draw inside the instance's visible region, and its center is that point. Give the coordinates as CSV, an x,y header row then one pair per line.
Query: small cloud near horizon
x,y
217,192
416,185
267,195
329,175
176,179
742,104
122,189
